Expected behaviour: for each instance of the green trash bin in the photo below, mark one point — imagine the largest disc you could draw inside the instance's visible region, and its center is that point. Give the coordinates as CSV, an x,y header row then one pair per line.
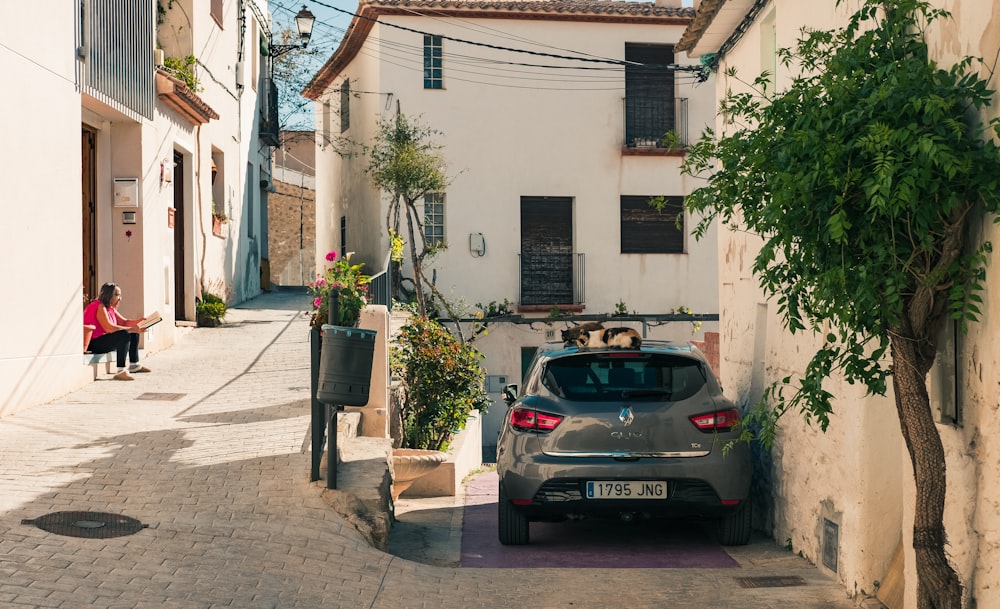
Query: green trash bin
x,y
345,365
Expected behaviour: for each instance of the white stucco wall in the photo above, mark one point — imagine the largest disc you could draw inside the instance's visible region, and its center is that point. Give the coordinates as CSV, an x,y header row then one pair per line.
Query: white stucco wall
x,y
42,248
40,252
858,473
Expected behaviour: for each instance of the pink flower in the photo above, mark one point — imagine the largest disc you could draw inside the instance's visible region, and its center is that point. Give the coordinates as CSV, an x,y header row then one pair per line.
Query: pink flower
x,y
319,283
317,302
331,256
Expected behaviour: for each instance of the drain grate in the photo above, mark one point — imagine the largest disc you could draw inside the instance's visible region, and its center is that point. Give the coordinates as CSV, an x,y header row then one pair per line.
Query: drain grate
x,y
779,581
91,525
162,397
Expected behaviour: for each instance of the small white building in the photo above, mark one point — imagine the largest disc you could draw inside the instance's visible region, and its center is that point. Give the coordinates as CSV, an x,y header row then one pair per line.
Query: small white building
x,y
114,165
551,117
845,499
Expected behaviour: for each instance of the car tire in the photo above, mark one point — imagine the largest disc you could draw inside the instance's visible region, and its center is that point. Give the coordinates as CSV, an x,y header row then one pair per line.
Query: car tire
x,y
734,529
512,524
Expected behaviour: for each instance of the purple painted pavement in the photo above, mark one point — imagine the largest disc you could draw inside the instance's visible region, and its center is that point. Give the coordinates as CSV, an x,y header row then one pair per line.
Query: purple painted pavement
x,y
593,543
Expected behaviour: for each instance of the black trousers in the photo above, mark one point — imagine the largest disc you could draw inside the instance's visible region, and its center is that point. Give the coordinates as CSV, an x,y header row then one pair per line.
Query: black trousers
x,y
121,342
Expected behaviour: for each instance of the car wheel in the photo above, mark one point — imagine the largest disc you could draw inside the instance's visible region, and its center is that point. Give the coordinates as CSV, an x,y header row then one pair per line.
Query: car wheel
x,y
734,528
512,525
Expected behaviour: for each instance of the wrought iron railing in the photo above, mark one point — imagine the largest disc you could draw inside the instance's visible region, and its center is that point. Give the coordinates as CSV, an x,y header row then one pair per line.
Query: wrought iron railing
x,y
115,52
380,285
648,120
548,278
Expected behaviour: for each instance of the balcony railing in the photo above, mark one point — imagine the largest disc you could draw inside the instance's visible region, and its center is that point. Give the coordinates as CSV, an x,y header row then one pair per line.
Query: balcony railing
x,y
551,279
115,52
649,119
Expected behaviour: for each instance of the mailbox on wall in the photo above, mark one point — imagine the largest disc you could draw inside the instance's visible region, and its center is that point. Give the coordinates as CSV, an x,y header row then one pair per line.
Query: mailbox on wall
x,y
126,192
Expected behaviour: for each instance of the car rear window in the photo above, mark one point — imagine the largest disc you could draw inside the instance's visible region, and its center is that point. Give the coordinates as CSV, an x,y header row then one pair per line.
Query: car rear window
x,y
595,377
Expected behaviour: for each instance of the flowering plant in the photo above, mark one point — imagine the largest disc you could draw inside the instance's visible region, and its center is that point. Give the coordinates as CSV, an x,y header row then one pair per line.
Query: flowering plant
x,y
351,286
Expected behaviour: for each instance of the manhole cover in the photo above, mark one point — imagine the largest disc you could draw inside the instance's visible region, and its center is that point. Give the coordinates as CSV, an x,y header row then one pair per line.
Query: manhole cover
x,y
92,525
771,582
162,397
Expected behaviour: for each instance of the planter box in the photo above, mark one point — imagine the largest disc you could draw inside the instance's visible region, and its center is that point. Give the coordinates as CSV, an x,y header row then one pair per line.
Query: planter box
x,y
464,456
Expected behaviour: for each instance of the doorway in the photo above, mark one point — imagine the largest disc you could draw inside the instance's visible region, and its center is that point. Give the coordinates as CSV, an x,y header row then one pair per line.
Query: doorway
x,y
88,192
546,250
180,278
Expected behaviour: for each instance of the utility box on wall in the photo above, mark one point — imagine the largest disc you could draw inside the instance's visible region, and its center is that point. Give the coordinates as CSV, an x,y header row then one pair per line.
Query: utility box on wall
x,y
495,382
126,192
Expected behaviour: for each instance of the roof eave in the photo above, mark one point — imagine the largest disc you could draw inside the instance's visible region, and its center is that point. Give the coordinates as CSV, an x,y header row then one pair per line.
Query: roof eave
x,y
368,13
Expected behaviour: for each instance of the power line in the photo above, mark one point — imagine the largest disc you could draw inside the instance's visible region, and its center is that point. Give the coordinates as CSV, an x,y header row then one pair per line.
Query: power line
x,y
676,67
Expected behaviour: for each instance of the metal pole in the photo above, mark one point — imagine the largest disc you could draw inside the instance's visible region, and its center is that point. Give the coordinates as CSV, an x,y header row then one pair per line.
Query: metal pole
x,y
331,457
331,409
318,408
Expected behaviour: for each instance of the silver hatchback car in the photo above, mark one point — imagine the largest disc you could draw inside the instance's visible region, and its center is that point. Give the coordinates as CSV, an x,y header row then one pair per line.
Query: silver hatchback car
x,y
625,433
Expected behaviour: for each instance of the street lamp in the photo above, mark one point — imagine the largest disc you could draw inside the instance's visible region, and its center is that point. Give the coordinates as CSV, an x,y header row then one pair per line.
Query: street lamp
x,y
304,21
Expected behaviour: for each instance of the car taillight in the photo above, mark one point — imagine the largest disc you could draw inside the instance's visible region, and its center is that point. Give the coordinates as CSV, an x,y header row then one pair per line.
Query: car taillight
x,y
525,419
722,420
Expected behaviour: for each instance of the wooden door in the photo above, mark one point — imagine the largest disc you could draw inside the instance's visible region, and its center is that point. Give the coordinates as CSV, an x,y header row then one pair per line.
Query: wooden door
x,y
179,237
88,191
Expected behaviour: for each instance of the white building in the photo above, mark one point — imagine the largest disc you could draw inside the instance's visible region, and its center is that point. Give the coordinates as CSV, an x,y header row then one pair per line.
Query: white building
x,y
845,499
551,117
94,94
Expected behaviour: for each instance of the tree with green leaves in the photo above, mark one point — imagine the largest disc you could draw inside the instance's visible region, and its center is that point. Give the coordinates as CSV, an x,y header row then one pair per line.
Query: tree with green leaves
x,y
404,162
862,179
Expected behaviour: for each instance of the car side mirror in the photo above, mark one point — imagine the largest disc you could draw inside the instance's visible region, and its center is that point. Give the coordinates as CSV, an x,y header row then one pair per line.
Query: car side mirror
x,y
509,394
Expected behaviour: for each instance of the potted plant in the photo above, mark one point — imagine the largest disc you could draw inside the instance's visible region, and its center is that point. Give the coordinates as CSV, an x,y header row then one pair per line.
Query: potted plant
x,y
345,282
442,383
210,309
218,219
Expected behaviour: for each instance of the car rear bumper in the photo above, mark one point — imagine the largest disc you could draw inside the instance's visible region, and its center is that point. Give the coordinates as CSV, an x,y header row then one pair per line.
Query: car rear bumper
x,y
543,486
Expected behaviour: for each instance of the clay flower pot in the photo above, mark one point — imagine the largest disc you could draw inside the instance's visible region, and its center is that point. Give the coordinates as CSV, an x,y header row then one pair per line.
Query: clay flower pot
x,y
408,464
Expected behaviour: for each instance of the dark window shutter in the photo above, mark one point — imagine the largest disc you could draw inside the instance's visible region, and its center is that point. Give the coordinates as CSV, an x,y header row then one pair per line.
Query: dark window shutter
x,y
646,230
546,250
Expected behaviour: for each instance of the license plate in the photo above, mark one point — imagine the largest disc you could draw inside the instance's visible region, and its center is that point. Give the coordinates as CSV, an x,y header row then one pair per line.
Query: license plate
x,y
626,489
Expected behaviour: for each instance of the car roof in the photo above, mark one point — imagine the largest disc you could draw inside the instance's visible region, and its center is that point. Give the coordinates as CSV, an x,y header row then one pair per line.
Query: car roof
x,y
560,349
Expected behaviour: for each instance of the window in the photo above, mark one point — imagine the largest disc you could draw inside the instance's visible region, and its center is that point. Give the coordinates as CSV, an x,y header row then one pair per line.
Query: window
x,y
434,219
250,208
649,93
326,123
433,72
343,236
218,183
551,273
255,61
647,230
596,377
216,11
345,105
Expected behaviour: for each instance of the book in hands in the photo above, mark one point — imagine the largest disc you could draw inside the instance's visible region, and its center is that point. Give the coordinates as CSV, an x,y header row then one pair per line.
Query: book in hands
x,y
151,320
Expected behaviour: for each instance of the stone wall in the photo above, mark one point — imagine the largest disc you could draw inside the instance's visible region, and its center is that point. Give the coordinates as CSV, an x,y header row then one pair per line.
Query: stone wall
x,y
292,234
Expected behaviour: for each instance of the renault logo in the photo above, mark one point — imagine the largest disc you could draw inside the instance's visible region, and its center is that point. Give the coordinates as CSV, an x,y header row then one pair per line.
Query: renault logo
x,y
626,416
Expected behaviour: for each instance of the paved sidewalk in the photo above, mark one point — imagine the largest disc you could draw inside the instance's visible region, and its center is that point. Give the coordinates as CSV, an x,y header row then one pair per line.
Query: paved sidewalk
x,y
210,451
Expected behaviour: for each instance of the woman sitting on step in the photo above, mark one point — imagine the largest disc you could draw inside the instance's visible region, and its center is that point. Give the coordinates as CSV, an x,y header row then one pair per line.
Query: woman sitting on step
x,y
113,331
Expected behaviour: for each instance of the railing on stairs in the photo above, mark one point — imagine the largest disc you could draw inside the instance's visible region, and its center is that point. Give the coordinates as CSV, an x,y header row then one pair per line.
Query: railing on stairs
x,y
380,285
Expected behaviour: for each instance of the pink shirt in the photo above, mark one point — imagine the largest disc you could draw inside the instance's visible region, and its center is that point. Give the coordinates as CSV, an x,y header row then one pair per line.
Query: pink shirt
x,y
90,317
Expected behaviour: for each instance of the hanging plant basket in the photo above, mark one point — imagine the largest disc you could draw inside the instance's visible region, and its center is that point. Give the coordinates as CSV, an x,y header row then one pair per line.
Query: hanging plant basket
x,y
345,365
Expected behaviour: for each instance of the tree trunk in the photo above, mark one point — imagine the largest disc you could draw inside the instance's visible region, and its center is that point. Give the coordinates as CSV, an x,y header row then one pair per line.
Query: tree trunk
x,y
938,586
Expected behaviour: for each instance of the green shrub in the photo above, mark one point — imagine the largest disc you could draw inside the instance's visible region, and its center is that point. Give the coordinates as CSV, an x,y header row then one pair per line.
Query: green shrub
x,y
442,383
210,309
